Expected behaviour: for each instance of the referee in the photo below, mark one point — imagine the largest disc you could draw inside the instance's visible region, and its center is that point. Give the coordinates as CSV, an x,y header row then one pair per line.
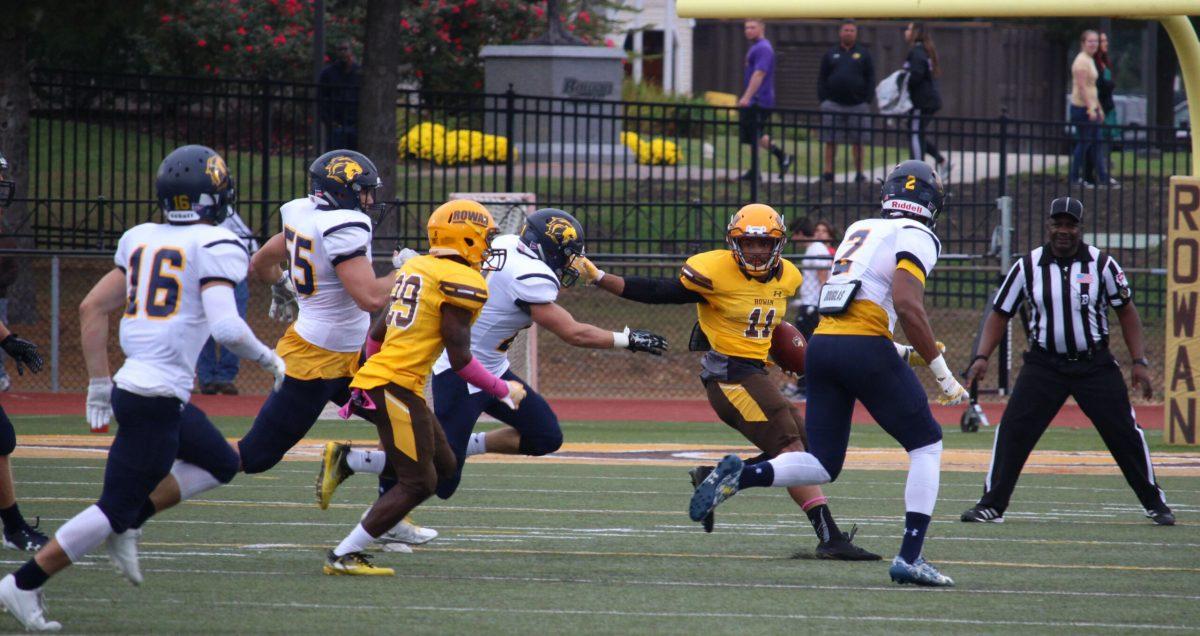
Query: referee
x,y
1069,286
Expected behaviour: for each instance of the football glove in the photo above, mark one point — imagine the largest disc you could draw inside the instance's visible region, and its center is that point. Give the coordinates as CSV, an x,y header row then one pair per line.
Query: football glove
x,y
642,340
516,393
24,353
914,359
283,300
588,272
273,364
402,256
99,404
952,392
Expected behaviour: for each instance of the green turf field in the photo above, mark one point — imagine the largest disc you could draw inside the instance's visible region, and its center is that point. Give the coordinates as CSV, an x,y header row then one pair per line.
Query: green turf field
x,y
609,549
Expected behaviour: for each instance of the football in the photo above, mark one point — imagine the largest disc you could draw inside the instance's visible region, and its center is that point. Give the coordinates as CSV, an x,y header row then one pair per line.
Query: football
x,y
787,348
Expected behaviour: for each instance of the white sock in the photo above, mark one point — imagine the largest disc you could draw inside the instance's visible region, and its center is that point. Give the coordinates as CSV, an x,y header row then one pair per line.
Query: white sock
x,y
476,445
192,479
356,541
83,532
366,461
798,469
924,477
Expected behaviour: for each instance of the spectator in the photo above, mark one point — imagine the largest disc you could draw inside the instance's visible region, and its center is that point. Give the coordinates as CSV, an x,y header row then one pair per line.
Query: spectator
x,y
923,70
1087,114
217,366
8,265
845,86
758,97
338,91
1105,86
819,242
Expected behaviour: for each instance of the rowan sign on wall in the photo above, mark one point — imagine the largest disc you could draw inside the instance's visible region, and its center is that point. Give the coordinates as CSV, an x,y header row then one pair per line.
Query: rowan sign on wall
x,y
1183,292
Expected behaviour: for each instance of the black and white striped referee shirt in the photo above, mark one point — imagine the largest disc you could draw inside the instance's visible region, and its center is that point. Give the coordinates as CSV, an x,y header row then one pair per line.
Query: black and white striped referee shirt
x,y
1069,297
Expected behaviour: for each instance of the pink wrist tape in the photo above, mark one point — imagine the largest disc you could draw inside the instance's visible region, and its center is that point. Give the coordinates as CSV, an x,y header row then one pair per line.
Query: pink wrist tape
x,y
480,377
373,346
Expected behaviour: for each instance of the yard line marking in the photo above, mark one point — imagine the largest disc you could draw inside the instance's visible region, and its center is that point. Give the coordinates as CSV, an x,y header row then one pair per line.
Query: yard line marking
x,y
648,614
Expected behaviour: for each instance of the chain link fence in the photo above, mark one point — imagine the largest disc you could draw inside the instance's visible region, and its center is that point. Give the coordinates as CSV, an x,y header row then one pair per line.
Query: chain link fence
x,y
44,308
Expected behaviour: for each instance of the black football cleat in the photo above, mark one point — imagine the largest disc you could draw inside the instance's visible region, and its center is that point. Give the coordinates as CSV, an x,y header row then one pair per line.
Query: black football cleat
x,y
982,514
1161,516
842,548
27,539
698,474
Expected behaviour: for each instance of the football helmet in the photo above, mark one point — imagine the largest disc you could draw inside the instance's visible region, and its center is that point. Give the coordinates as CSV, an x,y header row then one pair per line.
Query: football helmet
x,y
756,221
556,238
339,176
913,190
463,228
193,184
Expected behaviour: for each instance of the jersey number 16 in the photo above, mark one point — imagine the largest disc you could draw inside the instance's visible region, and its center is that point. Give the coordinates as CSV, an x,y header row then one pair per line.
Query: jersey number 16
x,y
163,286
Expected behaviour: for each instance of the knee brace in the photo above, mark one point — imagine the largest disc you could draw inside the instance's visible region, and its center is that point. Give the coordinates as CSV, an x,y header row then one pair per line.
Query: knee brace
x,y
84,532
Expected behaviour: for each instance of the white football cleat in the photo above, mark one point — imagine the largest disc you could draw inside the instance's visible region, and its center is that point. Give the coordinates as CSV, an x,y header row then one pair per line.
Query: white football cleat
x,y
27,606
406,532
123,552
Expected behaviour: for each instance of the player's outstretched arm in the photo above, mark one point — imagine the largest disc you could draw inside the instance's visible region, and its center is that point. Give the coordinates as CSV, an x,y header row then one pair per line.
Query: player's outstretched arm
x,y
654,291
908,295
456,337
231,331
369,293
107,296
557,320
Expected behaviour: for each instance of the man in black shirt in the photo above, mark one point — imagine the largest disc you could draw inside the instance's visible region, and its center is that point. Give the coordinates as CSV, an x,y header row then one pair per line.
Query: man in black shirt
x,y
845,86
338,93
1069,287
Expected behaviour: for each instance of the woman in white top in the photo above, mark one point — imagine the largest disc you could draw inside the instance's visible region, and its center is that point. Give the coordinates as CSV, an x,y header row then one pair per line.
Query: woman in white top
x,y
1086,113
815,267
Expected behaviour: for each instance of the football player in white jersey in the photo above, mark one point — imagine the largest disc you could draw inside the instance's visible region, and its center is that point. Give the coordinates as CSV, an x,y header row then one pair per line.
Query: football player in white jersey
x,y
878,278
175,281
533,266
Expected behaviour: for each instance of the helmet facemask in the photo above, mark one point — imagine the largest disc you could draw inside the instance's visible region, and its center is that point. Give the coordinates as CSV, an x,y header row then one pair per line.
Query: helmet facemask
x,y
493,259
757,262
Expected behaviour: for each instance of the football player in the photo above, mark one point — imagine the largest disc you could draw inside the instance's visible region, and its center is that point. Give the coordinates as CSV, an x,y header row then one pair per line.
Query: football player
x,y
741,293
531,268
434,301
175,282
878,278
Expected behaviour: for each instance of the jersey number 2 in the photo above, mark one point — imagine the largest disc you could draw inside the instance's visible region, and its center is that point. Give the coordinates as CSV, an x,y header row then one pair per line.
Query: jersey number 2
x,y
162,293
856,241
405,298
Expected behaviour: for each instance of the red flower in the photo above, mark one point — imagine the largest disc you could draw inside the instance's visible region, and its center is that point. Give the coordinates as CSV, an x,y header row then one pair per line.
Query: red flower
x,y
165,18
404,23
279,40
201,43
585,17
609,42
225,47
455,10
570,27
267,28
418,73
241,30
408,49
537,11
249,48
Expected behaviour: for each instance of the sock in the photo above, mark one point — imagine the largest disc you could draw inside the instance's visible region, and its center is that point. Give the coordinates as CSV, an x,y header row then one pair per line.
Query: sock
x,y
759,475
356,541
12,517
361,461
30,576
915,525
386,484
476,445
192,479
83,532
822,522
924,477
143,515
757,459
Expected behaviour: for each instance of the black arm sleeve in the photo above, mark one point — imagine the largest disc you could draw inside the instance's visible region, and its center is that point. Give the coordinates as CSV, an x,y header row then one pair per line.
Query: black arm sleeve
x,y
659,291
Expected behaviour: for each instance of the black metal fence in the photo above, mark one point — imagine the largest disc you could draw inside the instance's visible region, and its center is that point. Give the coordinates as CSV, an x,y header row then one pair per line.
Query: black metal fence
x,y
653,182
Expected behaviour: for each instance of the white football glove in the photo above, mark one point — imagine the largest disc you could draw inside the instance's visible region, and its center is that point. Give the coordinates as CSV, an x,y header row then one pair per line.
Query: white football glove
x,y
402,256
516,393
283,300
952,392
99,404
914,359
273,364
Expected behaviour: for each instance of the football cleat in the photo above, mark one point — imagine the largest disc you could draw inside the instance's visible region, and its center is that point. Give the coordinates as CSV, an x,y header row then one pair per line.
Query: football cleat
x,y
698,474
982,514
353,564
842,548
27,539
334,471
27,606
405,533
1162,516
919,572
123,552
721,484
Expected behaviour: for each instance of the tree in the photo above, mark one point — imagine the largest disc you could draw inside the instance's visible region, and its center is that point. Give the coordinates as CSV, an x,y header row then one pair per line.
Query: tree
x,y
377,97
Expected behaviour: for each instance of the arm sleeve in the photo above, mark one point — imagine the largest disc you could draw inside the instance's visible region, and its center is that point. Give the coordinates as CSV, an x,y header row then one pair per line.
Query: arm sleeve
x,y
223,259
1115,285
659,291
1012,290
465,291
536,288
228,328
916,252
347,240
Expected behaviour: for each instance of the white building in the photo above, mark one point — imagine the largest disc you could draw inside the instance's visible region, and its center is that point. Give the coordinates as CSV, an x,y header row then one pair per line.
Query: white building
x,y
646,25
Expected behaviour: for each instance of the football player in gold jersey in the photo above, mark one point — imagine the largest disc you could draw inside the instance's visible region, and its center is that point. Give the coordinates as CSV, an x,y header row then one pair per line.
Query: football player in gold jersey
x,y
741,293
434,302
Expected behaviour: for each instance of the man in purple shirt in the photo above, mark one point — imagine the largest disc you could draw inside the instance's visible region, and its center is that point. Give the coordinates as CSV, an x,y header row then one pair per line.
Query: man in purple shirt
x,y
758,96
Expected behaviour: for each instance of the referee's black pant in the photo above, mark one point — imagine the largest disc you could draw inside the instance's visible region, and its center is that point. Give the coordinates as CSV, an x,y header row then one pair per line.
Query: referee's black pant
x,y
1041,389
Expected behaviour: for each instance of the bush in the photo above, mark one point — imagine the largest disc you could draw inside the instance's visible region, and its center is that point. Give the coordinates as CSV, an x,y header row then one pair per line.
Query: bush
x,y
652,152
433,142
659,113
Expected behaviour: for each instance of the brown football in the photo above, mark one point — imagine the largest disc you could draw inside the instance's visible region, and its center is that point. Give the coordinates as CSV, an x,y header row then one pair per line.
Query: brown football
x,y
787,348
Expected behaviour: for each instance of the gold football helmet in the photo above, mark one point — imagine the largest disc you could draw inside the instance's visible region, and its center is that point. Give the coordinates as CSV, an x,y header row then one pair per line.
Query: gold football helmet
x,y
462,228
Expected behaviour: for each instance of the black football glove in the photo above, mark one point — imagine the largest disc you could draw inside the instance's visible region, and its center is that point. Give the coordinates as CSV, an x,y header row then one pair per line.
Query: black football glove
x,y
23,352
641,340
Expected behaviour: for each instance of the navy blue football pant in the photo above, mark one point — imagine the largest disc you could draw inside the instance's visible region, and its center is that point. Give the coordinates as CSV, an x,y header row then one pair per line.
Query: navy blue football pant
x,y
286,417
842,369
152,432
8,435
457,411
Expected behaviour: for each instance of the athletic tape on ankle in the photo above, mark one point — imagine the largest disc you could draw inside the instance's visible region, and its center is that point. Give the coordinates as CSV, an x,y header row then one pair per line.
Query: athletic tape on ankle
x,y
815,501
